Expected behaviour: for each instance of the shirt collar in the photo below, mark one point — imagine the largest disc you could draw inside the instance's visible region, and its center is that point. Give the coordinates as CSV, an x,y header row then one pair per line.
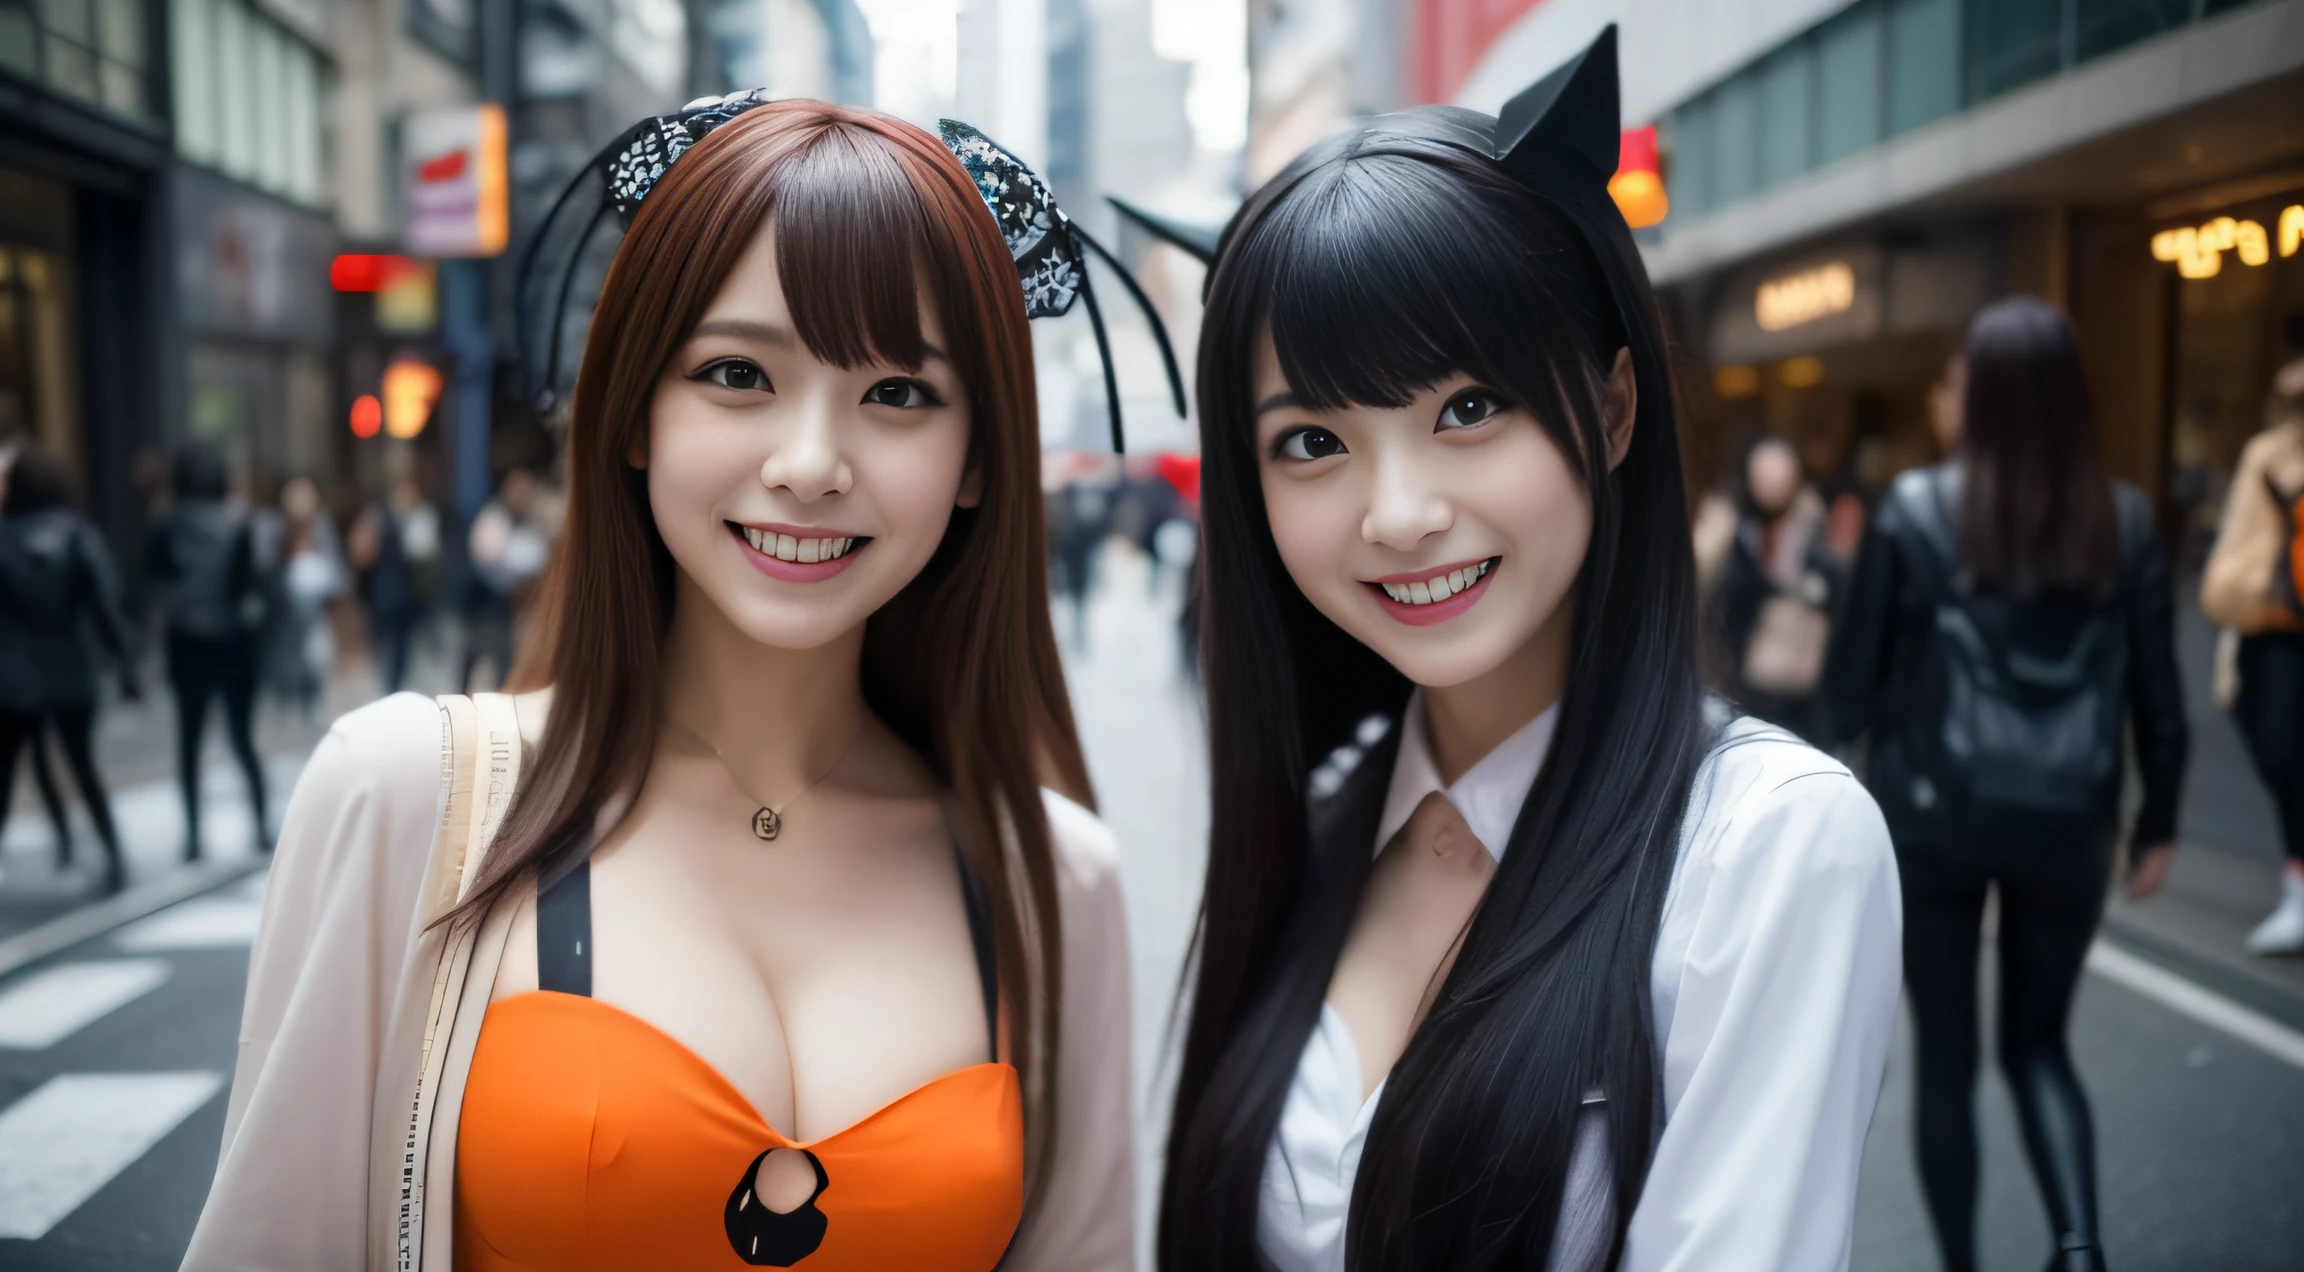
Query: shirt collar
x,y
1490,793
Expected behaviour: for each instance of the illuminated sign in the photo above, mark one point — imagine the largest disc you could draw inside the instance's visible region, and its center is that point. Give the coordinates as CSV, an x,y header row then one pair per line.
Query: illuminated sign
x,y
367,416
1798,299
410,389
1638,186
2198,251
459,199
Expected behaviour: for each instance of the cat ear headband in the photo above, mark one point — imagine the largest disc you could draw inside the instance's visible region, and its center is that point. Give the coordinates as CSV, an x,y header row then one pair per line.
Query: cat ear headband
x,y
1049,249
1559,137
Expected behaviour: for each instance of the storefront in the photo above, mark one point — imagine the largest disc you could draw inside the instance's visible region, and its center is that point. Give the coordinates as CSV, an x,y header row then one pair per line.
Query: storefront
x,y
1834,346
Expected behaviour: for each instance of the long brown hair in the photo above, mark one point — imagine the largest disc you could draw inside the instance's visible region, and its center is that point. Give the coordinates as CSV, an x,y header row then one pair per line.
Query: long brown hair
x,y
962,663
2036,509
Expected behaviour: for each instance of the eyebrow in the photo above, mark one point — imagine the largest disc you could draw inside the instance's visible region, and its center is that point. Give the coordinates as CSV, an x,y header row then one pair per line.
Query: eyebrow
x,y
1278,402
781,337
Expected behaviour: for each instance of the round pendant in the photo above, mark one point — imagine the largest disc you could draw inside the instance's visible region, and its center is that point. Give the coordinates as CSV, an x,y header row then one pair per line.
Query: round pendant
x,y
766,823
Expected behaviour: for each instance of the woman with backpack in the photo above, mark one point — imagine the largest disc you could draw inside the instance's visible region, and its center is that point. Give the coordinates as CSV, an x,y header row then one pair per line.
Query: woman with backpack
x,y
2252,585
2009,615
56,582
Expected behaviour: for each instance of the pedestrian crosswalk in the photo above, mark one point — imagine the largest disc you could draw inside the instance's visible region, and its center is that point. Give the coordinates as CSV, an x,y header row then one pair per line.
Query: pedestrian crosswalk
x,y
66,1139
71,1133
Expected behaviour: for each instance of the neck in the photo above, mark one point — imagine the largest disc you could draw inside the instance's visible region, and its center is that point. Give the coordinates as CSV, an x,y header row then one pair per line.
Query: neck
x,y
1468,720
777,716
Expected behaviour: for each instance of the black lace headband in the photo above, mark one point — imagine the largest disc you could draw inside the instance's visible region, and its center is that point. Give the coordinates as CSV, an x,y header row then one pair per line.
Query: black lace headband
x,y
1049,248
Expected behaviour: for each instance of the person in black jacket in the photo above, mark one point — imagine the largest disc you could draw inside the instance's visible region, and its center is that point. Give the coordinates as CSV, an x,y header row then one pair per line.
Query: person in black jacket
x,y
56,581
2010,613
203,555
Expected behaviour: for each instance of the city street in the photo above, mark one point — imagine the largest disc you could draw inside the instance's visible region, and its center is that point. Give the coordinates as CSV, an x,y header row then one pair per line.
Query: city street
x,y
115,1053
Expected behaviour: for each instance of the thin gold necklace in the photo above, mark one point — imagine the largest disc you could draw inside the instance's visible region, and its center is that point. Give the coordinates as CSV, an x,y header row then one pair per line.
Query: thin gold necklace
x,y
768,820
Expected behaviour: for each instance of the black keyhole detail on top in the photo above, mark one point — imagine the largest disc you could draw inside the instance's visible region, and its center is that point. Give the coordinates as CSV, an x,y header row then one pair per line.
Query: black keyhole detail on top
x,y
764,1238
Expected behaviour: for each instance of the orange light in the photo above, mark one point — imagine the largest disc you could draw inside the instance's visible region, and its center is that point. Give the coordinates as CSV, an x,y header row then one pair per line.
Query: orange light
x,y
410,389
1736,381
1799,373
367,416
493,177
356,272
1638,186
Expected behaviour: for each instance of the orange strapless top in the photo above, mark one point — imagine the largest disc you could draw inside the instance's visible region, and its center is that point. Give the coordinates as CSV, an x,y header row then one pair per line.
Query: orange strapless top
x,y
590,1139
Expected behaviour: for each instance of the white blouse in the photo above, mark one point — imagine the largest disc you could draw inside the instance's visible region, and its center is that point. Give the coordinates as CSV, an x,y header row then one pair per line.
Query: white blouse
x,y
1775,985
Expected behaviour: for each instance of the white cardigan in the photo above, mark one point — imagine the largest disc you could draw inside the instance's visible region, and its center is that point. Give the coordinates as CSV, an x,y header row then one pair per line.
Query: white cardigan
x,y
1774,987
340,989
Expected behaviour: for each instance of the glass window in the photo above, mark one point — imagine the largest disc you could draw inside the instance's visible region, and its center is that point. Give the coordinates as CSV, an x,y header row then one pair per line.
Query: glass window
x,y
1848,82
1688,134
2106,25
2011,43
271,50
71,67
1787,95
1923,61
193,28
120,31
1735,139
69,20
235,104
17,38
306,182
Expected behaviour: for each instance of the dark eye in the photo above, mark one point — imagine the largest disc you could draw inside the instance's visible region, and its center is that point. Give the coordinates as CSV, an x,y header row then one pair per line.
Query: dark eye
x,y
735,373
901,393
1308,443
1471,407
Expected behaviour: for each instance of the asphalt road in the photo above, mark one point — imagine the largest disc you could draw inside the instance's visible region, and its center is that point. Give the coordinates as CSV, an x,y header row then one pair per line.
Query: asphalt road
x,y
109,1124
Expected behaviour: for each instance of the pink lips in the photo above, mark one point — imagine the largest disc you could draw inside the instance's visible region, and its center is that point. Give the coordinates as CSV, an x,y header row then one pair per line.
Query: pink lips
x,y
1438,611
795,571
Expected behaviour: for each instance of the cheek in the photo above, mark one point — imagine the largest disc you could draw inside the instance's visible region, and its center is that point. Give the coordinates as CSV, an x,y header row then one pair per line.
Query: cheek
x,y
1532,497
692,467
1314,527
912,476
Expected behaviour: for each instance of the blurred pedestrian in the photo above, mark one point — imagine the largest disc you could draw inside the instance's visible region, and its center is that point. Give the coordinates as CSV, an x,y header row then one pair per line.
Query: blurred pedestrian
x,y
312,576
2010,613
202,554
1080,515
56,583
1773,598
510,545
2252,586
397,542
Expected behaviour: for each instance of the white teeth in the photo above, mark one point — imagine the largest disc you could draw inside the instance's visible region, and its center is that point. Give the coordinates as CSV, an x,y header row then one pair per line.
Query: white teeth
x,y
808,550
752,537
1437,588
787,548
803,551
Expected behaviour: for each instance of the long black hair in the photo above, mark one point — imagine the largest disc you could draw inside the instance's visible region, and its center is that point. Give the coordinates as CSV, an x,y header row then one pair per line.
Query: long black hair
x,y
2036,509
1383,262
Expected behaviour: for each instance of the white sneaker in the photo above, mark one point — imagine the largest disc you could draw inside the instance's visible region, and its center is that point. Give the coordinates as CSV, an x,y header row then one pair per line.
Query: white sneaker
x,y
2282,931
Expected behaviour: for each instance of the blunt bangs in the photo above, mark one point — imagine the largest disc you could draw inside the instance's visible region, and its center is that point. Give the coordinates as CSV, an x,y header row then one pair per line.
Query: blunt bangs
x,y
1379,278
852,249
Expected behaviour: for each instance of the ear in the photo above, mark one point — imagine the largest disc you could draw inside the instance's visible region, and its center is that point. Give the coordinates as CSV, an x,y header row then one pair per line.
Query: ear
x,y
637,453
1619,406
971,487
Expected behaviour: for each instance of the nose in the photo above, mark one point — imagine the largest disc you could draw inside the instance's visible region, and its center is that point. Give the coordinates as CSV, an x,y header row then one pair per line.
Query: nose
x,y
1404,506
806,459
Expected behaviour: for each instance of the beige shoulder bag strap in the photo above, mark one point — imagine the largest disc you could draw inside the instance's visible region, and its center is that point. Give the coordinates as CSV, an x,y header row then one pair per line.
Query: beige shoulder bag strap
x,y
481,763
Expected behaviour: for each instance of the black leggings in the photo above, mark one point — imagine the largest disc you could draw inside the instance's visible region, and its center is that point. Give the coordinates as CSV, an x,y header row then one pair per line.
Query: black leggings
x,y
2270,714
198,670
2048,916
75,728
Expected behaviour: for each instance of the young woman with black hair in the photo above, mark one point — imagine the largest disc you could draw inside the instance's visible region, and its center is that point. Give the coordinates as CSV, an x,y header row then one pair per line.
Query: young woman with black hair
x,y
1514,952
2010,612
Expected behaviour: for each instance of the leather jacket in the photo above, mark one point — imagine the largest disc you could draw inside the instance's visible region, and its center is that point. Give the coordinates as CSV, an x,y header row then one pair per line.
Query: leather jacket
x,y
56,582
1871,684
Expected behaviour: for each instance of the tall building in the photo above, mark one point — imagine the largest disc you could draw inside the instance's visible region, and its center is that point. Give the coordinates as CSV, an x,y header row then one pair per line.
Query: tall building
x,y
1850,182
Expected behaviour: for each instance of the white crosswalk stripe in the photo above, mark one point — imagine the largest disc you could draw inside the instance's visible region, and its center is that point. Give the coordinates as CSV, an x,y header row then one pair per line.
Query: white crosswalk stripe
x,y
52,1004
203,923
65,1140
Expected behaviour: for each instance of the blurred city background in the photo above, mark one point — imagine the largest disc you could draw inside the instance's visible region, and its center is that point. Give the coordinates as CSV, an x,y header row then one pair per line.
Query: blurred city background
x,y
256,263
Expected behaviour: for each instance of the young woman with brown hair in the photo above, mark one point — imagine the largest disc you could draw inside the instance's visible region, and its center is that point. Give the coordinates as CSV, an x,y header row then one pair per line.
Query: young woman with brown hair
x,y
796,945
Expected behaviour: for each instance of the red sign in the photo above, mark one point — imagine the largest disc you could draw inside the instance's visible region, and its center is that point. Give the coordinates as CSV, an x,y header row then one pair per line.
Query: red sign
x,y
1449,37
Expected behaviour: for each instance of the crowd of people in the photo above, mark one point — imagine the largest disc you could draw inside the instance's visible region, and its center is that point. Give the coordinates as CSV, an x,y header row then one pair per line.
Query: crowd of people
x,y
236,599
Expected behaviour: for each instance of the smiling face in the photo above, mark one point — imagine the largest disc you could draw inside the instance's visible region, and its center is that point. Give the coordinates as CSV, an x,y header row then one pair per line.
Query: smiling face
x,y
800,496
1445,535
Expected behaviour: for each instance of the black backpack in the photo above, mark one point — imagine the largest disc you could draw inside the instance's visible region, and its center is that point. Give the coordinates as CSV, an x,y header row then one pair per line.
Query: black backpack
x,y
2024,745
